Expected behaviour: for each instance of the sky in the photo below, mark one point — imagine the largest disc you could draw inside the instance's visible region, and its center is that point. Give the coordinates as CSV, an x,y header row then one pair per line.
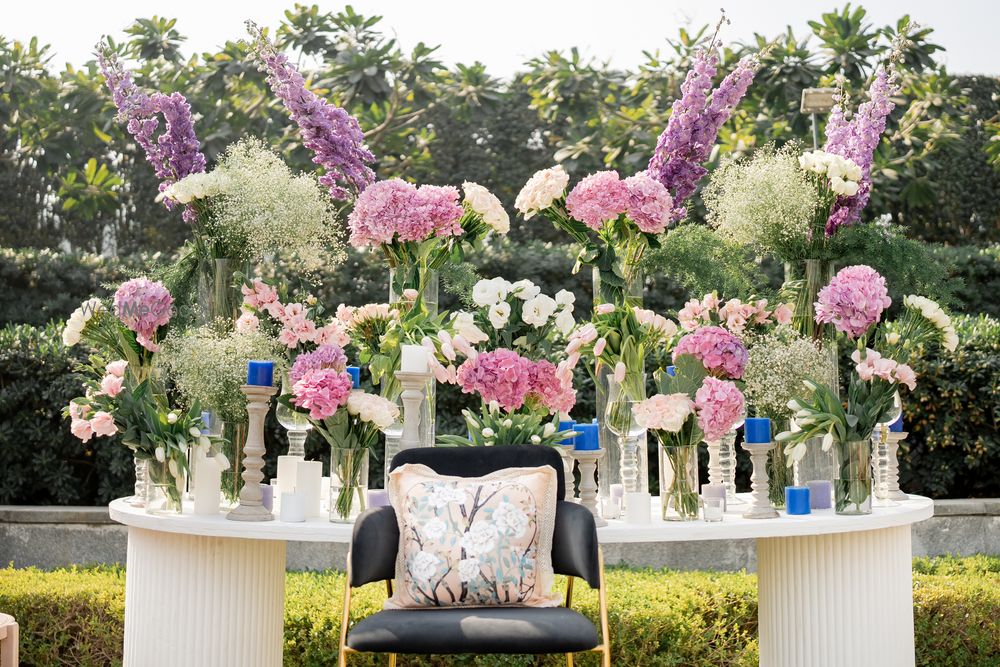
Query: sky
x,y
504,33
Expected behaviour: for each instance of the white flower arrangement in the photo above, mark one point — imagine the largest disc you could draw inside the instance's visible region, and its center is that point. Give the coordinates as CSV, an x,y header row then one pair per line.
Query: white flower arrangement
x,y
485,203
77,322
516,316
933,313
541,190
373,409
843,173
779,363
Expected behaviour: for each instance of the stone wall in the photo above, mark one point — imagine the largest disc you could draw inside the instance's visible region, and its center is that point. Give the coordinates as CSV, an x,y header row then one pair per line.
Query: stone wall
x,y
49,537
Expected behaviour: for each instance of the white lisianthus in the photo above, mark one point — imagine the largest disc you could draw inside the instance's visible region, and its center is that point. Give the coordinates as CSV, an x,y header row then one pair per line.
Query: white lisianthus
x,y
490,291
538,310
525,290
485,203
565,298
465,326
565,321
499,314
543,188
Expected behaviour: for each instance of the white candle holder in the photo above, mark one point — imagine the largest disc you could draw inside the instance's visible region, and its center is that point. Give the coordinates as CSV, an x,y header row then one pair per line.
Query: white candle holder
x,y
251,507
760,505
587,459
568,462
892,471
414,395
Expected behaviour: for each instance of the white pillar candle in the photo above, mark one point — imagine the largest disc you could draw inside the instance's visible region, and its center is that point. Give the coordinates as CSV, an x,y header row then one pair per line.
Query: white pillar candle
x,y
309,485
637,507
287,467
292,508
414,359
207,484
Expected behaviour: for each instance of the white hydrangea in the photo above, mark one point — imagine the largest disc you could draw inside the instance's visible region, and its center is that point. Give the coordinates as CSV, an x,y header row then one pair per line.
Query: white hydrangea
x,y
485,203
543,188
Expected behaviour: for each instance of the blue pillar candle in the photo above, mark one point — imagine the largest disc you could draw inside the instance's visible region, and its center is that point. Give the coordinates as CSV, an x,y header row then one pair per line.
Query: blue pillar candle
x,y
586,440
355,374
206,422
820,494
671,371
757,430
897,426
568,425
260,373
797,500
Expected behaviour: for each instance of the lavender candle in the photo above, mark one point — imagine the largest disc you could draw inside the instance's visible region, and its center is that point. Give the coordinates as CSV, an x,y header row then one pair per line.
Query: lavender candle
x,y
820,494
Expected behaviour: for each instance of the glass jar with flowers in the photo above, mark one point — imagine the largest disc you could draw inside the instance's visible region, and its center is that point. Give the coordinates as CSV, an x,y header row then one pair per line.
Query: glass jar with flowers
x,y
671,418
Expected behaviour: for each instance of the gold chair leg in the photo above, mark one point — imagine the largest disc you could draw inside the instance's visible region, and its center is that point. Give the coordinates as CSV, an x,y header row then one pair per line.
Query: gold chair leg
x,y
603,600
345,616
569,660
392,660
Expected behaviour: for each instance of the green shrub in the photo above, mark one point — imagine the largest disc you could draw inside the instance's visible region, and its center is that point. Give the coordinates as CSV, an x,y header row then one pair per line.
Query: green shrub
x,y
75,617
953,417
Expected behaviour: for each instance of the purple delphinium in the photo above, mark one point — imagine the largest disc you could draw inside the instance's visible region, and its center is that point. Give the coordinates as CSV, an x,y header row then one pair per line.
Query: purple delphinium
x,y
176,153
856,139
694,123
332,134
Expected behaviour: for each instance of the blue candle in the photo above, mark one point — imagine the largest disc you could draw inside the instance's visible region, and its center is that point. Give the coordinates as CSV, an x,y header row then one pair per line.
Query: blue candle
x,y
260,373
587,439
672,371
355,374
797,500
206,422
568,425
897,426
757,430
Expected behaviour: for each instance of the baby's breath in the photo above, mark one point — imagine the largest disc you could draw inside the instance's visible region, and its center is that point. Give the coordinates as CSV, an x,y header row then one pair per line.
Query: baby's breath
x,y
779,362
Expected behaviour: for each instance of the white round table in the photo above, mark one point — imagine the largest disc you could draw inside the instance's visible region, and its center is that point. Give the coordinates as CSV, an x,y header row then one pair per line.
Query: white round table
x,y
833,590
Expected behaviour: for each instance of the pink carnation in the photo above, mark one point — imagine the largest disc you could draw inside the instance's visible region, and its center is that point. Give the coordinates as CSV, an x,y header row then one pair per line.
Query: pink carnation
x,y
499,375
721,353
143,306
323,357
649,203
322,391
853,301
552,392
720,405
597,198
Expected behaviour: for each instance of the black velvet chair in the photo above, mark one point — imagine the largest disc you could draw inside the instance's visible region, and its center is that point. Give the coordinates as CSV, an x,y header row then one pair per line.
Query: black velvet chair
x,y
511,630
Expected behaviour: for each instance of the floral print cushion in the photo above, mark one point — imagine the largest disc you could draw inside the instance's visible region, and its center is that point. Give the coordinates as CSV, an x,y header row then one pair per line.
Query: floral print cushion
x,y
474,541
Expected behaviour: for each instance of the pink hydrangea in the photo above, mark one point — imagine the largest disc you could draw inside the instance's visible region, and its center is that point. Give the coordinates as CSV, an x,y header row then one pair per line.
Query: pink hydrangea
x,y
722,353
499,375
440,204
649,203
322,391
853,301
324,356
396,210
597,198
720,405
550,390
143,306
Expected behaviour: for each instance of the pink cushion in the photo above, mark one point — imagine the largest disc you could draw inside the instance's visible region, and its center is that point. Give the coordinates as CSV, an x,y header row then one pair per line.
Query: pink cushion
x,y
474,541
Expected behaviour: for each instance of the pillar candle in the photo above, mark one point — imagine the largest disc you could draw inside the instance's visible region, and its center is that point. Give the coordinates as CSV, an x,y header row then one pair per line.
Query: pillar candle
x,y
414,359
820,494
267,497
587,440
308,484
714,491
260,373
797,500
757,430
568,425
355,374
287,468
378,498
897,426
637,507
292,508
207,484
617,491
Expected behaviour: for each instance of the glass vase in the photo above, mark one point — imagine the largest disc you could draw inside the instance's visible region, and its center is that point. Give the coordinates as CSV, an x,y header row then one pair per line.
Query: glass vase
x,y
815,464
779,475
164,486
348,483
852,488
219,293
631,438
807,278
138,498
620,286
422,280
680,477
232,479
296,424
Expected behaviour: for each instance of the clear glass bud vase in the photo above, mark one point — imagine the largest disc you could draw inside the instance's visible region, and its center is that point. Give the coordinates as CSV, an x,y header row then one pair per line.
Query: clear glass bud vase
x,y
219,293
852,489
680,475
348,483
295,423
633,460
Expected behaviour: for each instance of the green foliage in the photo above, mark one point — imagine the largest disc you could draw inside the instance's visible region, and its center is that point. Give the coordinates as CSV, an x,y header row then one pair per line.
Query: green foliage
x,y
74,617
953,417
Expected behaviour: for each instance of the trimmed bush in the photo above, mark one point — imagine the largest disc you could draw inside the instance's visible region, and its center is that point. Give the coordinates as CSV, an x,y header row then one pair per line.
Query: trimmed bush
x,y
75,617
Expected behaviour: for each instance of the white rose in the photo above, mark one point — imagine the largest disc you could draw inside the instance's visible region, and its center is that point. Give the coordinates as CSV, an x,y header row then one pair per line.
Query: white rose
x,y
424,566
499,314
538,310
836,167
434,529
485,203
541,190
525,289
468,569
565,298
481,538
565,321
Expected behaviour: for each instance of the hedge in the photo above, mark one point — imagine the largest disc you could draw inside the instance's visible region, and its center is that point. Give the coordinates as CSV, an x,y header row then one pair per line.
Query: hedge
x,y
75,617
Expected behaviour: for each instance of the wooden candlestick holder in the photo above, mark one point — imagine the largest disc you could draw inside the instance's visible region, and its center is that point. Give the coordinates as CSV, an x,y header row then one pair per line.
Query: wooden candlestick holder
x,y
251,507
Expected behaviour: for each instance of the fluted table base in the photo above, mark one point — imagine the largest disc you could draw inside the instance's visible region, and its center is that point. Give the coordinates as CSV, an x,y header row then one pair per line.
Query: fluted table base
x,y
203,601
837,600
